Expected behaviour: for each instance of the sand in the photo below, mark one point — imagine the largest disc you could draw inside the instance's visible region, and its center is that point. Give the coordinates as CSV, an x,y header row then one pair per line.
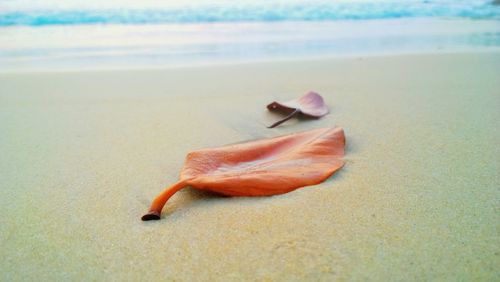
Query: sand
x,y
84,153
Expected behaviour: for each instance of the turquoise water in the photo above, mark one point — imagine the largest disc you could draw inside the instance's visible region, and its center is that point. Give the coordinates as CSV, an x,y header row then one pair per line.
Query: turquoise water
x,y
52,34
35,13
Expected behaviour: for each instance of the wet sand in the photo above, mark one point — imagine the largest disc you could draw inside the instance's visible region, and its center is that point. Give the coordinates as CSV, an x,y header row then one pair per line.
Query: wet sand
x,y
84,153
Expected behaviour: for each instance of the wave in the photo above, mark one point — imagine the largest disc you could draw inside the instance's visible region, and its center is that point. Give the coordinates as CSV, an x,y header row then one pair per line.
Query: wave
x,y
248,12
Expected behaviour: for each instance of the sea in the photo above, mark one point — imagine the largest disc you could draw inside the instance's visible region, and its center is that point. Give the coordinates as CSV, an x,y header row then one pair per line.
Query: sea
x,y
61,35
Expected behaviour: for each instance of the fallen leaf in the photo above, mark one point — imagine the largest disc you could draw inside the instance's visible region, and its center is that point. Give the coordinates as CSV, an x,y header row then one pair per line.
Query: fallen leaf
x,y
311,104
260,168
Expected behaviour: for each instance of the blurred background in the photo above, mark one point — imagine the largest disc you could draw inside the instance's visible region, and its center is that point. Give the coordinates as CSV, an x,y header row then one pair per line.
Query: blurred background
x,y
79,34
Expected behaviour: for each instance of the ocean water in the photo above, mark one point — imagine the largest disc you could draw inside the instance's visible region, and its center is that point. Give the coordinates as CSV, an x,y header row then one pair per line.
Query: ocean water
x,y
92,34
42,13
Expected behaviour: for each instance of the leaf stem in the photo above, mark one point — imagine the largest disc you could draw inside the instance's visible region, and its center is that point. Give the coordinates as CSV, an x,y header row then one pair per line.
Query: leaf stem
x,y
160,200
294,113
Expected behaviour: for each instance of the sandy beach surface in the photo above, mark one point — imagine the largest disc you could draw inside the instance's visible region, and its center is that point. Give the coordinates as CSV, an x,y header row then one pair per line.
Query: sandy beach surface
x,y
84,153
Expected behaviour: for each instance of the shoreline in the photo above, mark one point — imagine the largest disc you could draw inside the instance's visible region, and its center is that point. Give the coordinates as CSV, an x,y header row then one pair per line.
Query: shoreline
x,y
387,54
161,46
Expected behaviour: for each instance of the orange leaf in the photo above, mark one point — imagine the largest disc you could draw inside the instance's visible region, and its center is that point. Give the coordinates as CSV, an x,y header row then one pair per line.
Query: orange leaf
x,y
311,105
260,168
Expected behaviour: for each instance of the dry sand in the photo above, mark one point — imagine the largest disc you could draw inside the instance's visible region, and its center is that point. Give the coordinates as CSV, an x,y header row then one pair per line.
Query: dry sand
x,y
84,153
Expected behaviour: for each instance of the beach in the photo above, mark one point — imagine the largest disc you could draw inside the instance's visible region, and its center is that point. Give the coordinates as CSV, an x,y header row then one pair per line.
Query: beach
x,y
85,152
